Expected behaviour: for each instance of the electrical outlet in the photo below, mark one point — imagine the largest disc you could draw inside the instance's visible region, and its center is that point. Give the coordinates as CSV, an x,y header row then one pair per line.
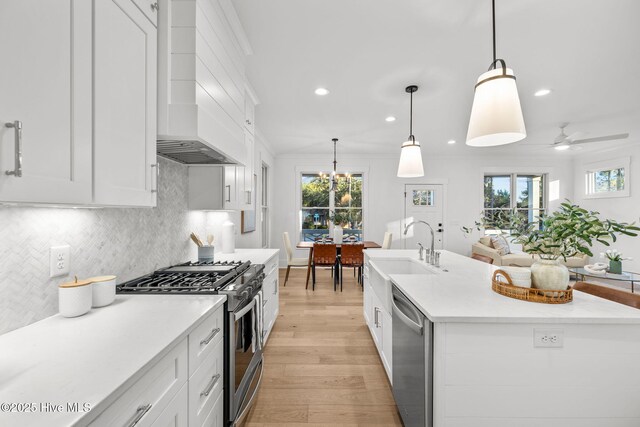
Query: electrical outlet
x,y
553,338
59,260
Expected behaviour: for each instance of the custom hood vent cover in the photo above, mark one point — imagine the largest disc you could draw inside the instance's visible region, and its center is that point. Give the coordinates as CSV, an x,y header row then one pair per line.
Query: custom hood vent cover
x,y
192,153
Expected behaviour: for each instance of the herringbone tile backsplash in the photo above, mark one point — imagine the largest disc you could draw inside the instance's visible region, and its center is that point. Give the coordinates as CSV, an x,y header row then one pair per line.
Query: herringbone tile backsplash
x,y
127,242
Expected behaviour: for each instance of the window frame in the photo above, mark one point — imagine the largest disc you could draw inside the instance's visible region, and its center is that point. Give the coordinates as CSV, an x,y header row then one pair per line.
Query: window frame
x,y
607,165
332,203
513,192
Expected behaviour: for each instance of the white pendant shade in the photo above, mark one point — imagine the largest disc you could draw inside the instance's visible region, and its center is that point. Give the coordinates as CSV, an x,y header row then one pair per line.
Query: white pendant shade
x,y
496,114
410,160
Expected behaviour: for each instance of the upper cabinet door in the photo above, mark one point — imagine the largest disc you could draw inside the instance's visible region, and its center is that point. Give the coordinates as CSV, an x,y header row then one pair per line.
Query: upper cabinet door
x,y
249,114
45,85
124,158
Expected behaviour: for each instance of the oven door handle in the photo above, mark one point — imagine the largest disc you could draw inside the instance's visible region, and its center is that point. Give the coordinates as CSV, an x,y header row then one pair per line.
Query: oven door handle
x,y
253,396
244,311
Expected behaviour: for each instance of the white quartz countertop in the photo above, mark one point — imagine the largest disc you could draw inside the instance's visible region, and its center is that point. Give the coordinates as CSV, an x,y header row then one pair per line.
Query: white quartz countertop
x,y
92,358
256,256
464,294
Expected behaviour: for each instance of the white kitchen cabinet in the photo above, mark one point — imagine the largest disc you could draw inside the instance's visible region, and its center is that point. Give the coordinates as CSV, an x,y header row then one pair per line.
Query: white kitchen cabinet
x,y
378,319
147,398
271,295
249,114
176,413
150,9
124,149
45,84
246,196
213,188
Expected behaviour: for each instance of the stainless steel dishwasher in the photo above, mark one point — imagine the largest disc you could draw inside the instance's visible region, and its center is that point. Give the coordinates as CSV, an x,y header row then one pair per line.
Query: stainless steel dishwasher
x,y
412,362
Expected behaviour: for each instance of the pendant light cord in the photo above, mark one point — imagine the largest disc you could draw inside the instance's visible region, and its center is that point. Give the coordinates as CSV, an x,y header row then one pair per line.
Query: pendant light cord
x,y
411,137
335,162
493,16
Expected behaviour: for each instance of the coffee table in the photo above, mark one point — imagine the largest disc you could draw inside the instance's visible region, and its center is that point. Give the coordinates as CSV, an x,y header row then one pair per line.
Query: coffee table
x,y
626,276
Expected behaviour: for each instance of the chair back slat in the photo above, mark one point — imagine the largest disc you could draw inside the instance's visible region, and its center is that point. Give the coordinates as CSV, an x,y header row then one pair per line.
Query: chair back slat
x,y
324,253
352,254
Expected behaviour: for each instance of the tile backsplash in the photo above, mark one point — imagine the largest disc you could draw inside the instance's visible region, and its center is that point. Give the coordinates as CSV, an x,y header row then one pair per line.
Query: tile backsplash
x,y
127,242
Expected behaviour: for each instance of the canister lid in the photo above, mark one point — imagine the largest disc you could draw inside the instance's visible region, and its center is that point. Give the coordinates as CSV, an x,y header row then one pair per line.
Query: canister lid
x,y
101,279
76,283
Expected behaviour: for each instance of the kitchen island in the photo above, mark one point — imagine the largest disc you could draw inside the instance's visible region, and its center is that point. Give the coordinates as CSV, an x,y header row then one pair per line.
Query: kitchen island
x,y
491,363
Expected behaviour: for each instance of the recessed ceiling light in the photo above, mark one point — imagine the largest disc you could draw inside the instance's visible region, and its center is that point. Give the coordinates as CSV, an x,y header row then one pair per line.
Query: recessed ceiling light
x,y
451,141
321,91
562,147
542,92
390,119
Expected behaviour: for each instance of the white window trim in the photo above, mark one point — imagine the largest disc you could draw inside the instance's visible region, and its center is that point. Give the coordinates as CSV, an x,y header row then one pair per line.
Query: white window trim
x,y
619,163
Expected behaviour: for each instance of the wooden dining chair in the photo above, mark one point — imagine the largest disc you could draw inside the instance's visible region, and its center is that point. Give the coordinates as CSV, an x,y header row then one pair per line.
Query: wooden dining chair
x,y
615,295
325,254
482,258
352,255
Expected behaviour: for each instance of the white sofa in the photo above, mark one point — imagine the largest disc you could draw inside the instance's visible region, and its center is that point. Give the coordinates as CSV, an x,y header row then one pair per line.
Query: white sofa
x,y
519,258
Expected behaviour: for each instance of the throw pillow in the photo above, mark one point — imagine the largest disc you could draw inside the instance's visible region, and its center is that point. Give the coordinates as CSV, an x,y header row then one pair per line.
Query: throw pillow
x,y
486,240
501,245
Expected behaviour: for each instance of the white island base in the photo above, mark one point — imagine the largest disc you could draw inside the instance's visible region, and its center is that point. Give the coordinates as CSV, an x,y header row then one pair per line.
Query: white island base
x,y
503,362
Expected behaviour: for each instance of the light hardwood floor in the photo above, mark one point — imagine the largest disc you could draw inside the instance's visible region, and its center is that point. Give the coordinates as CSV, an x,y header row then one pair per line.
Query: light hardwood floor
x,y
321,365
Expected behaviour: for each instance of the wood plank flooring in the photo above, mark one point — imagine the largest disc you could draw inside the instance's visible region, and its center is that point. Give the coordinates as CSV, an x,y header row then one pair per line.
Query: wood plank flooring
x,y
321,365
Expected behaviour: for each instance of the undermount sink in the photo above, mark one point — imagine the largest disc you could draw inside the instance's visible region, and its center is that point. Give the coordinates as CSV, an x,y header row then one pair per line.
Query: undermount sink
x,y
401,266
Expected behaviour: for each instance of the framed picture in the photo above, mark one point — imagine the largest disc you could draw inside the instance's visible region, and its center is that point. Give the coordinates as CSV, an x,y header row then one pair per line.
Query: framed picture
x,y
248,218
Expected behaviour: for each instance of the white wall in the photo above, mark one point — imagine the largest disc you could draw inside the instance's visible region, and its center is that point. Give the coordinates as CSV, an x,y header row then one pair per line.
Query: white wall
x,y
384,192
621,209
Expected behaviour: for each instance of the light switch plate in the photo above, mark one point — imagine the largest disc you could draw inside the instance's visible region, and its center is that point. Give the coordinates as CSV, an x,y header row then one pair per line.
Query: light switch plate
x,y
551,338
59,260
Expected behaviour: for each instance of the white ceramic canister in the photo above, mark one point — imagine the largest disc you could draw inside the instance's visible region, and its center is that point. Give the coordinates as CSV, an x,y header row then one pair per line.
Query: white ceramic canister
x,y
104,290
74,298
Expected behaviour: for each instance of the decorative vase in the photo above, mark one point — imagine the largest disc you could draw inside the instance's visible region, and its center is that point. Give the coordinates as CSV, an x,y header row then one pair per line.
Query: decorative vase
x,y
549,274
615,267
337,234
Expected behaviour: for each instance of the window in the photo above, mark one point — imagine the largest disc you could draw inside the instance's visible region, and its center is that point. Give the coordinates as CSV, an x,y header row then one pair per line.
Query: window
x,y
322,208
423,197
523,192
607,179
264,212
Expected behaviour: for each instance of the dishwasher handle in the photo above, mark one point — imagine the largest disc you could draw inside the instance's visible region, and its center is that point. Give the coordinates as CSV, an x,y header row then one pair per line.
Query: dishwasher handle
x,y
415,327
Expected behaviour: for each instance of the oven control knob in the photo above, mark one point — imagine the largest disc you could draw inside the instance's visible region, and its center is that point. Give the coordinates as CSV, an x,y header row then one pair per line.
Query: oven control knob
x,y
244,294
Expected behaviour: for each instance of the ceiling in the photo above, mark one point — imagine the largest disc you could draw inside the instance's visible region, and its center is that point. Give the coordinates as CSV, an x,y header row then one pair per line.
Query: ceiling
x,y
366,51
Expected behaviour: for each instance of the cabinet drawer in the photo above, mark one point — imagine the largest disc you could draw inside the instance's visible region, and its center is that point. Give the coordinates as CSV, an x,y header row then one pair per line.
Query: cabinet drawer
x,y
205,386
204,339
270,286
150,9
216,416
150,395
175,414
271,266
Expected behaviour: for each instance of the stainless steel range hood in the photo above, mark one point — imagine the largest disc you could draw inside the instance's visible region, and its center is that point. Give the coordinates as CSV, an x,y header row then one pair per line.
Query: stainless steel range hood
x,y
191,152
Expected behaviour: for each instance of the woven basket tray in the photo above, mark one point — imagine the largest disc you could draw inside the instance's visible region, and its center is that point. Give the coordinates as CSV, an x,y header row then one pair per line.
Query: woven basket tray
x,y
508,289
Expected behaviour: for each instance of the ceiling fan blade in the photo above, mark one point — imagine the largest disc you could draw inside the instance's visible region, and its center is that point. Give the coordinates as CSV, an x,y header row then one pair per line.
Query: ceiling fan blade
x,y
601,138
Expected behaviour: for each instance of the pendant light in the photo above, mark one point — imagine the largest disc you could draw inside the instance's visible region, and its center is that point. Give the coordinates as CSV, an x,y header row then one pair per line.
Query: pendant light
x,y
333,183
496,114
410,155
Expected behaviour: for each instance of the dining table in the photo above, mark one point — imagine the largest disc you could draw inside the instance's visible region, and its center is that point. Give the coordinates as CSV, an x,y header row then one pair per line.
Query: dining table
x,y
368,244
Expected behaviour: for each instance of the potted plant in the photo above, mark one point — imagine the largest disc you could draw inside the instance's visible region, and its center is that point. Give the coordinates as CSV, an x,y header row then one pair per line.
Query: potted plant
x,y
615,260
567,232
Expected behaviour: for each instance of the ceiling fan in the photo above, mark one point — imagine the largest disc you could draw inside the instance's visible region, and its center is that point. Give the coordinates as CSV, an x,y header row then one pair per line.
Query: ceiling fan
x,y
564,141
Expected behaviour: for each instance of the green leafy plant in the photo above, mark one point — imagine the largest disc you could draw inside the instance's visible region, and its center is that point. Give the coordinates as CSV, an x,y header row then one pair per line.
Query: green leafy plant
x,y
569,231
502,222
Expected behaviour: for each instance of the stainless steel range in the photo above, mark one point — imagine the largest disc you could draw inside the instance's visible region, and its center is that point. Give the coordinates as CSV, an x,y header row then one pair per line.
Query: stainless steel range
x,y
241,282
